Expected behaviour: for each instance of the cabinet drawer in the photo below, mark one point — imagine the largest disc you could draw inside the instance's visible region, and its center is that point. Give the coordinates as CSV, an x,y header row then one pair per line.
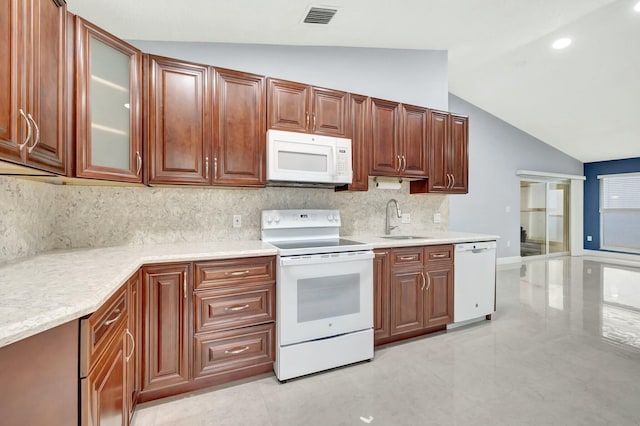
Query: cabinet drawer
x,y
219,273
438,253
408,256
227,308
234,350
100,328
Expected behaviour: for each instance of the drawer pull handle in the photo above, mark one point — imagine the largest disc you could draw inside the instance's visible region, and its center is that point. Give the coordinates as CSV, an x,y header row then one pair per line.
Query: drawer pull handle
x,y
236,274
111,321
439,255
236,308
408,257
236,351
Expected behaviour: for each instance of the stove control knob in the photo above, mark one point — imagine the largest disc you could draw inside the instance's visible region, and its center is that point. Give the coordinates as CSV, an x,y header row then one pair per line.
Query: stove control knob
x,y
276,219
330,217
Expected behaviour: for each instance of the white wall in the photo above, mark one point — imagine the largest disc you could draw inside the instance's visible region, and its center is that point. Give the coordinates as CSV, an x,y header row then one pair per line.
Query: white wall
x,y
496,151
417,77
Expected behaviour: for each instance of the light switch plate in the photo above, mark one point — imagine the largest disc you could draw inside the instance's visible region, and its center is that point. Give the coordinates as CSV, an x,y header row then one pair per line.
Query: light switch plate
x,y
437,218
237,221
406,218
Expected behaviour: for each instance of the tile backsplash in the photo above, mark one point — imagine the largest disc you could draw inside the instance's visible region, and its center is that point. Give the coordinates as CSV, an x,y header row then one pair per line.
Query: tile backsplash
x,y
27,221
36,217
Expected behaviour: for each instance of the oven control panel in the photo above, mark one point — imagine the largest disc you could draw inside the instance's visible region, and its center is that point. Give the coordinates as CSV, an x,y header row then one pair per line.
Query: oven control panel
x,y
305,218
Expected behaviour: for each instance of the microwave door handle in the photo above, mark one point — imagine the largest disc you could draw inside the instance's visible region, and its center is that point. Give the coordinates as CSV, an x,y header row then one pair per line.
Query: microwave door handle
x,y
334,161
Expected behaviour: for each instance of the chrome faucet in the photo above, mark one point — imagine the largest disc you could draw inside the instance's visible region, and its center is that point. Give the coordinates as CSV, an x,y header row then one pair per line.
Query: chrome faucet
x,y
388,227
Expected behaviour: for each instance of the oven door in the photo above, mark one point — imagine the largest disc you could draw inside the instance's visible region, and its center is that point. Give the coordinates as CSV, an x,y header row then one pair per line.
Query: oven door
x,y
324,295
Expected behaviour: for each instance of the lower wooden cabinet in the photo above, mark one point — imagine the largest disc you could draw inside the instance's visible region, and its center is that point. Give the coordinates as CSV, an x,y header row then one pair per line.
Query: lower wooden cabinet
x,y
39,378
166,328
234,319
134,341
407,301
439,306
413,291
207,327
233,353
107,362
381,304
104,389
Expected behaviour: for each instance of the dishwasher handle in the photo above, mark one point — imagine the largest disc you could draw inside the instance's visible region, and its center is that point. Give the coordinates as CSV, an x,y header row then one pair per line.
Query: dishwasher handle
x,y
480,250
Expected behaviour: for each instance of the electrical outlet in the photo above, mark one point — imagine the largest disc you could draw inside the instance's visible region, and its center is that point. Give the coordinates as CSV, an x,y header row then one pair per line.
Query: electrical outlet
x,y
406,218
237,221
508,243
437,218
589,238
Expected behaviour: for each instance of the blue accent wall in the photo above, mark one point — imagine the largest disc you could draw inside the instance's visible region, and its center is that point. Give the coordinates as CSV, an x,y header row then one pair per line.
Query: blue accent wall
x,y
592,194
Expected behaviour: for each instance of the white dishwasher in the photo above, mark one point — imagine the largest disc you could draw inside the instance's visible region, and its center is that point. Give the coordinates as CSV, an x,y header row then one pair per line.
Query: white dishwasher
x,y
474,280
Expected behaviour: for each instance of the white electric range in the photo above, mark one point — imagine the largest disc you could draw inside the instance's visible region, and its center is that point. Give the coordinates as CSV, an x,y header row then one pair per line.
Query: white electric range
x,y
324,292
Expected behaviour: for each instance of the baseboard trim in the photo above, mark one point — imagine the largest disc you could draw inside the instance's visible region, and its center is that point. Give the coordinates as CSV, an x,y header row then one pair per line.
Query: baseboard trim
x,y
612,257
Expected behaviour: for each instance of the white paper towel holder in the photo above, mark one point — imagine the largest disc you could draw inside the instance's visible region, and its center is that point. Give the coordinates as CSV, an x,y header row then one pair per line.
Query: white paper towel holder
x,y
387,183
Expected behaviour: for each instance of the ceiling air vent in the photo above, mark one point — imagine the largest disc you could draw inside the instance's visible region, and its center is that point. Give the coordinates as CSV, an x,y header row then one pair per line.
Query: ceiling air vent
x,y
319,15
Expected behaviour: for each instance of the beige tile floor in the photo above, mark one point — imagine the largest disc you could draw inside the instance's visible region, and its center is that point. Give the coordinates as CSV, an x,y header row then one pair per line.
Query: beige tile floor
x,y
562,349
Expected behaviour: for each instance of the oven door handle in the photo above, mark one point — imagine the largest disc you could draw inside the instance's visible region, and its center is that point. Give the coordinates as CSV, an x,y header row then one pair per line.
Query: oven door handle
x,y
316,259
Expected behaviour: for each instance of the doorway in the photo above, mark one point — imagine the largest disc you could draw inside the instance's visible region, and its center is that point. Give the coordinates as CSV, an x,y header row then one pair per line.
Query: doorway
x,y
544,218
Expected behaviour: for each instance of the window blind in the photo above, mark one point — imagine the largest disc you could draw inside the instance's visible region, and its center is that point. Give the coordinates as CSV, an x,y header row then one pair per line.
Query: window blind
x,y
620,212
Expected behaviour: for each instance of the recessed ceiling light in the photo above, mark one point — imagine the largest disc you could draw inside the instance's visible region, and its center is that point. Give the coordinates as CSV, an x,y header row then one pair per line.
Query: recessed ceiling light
x,y
637,7
561,43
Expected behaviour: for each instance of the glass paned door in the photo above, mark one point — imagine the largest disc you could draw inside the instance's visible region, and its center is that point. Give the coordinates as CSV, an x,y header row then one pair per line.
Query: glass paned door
x,y
110,117
558,217
544,218
533,218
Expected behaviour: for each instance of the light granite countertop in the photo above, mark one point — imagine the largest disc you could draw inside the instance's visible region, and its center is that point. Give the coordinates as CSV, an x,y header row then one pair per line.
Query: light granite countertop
x,y
48,290
430,238
44,291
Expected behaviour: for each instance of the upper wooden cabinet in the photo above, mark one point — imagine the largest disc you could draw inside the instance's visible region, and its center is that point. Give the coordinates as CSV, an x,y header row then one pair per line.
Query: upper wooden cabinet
x,y
108,125
239,129
33,82
448,153
414,132
359,132
459,154
179,130
399,139
301,108
206,126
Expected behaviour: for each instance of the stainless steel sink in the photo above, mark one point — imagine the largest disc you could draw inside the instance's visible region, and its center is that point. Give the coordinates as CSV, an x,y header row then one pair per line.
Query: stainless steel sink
x,y
405,237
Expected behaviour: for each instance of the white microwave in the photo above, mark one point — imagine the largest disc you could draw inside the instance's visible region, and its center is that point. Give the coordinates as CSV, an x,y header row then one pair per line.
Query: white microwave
x,y
301,158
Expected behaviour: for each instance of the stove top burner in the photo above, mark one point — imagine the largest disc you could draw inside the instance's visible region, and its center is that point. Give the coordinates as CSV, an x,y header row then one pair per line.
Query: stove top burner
x,y
306,232
287,245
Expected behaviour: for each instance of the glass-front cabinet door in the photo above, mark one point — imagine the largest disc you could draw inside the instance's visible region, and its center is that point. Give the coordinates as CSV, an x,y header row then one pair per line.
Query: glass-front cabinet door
x,y
109,136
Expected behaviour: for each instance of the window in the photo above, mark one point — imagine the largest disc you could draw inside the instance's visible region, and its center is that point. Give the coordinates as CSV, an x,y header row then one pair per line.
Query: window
x,y
620,212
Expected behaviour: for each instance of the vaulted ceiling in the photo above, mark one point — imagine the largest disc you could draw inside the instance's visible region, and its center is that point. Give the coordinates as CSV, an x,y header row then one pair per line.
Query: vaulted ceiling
x,y
584,100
